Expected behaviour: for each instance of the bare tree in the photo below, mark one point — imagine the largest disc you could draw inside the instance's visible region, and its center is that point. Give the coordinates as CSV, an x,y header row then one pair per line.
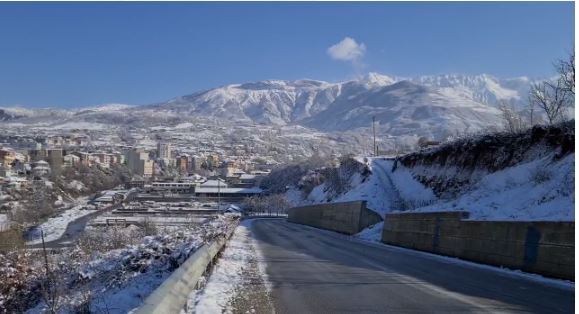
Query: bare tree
x,y
552,98
149,227
51,288
555,97
531,105
270,204
512,120
566,70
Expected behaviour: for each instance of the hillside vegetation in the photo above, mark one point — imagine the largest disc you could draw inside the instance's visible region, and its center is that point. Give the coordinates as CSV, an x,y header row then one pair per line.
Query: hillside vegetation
x,y
453,165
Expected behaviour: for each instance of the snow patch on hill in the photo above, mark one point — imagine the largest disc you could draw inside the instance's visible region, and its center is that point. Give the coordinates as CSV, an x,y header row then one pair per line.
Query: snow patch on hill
x,y
539,190
80,125
383,190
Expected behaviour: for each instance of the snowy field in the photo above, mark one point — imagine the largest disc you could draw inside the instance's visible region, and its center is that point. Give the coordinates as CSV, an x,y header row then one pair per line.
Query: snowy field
x,y
55,227
79,125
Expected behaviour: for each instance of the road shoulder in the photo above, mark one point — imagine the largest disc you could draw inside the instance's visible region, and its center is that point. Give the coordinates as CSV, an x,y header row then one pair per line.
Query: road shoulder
x,y
238,275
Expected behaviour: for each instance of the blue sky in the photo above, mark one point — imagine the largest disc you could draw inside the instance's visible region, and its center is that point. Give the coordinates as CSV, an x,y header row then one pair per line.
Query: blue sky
x,y
79,54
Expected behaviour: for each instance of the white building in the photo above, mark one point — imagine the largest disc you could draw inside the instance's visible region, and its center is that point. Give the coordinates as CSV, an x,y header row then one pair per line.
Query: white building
x,y
71,160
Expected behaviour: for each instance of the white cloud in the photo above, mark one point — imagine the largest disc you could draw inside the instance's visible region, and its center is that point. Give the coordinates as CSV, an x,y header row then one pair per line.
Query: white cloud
x,y
347,50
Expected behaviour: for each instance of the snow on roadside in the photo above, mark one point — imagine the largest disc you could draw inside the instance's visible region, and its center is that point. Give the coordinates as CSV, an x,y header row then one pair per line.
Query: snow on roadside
x,y
55,227
118,280
372,233
228,277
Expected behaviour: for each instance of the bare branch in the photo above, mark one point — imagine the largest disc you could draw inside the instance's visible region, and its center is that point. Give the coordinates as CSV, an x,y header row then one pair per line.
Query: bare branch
x,y
552,98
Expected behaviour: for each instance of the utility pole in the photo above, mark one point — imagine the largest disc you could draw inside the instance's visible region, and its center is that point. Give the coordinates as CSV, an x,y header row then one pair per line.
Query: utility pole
x,y
218,194
44,252
374,132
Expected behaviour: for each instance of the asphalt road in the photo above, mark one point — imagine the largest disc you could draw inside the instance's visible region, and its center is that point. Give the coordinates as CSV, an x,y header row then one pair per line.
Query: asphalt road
x,y
315,271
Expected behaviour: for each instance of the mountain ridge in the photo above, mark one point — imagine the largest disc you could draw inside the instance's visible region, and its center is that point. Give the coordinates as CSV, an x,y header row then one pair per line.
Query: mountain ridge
x,y
433,105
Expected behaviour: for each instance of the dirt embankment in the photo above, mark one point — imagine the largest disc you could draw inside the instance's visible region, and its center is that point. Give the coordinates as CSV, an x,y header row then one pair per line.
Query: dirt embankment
x,y
455,165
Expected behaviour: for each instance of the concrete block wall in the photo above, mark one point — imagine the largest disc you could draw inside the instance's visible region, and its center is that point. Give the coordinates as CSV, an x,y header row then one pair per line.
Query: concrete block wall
x,y
545,248
346,217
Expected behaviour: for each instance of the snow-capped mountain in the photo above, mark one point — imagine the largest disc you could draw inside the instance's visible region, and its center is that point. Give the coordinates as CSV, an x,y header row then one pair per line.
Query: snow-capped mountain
x,y
405,108
482,88
428,105
270,102
431,105
107,107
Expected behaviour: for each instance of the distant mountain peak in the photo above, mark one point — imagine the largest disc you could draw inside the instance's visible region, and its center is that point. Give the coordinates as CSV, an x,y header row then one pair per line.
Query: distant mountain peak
x,y
377,79
108,107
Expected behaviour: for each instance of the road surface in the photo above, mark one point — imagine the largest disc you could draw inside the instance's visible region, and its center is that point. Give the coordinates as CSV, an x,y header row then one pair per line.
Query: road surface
x,y
315,271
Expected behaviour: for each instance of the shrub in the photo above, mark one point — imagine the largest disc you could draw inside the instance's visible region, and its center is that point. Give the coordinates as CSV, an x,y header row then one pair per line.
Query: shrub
x,y
541,175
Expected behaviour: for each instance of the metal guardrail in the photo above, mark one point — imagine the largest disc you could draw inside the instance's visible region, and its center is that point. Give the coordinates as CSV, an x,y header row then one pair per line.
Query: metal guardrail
x,y
172,295
265,214
116,221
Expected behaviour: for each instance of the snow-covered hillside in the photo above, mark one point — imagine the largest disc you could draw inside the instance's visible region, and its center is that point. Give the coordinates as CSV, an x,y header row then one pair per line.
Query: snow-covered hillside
x,y
384,191
270,102
482,88
405,108
528,176
541,189
429,105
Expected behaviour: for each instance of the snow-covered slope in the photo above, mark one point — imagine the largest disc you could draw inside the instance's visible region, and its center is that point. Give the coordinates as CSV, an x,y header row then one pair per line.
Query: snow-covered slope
x,y
384,190
427,106
482,88
528,176
405,108
270,102
539,190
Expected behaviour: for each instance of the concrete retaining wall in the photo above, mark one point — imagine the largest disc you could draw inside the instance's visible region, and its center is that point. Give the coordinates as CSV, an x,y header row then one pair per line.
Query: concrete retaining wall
x,y
171,296
545,248
347,217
